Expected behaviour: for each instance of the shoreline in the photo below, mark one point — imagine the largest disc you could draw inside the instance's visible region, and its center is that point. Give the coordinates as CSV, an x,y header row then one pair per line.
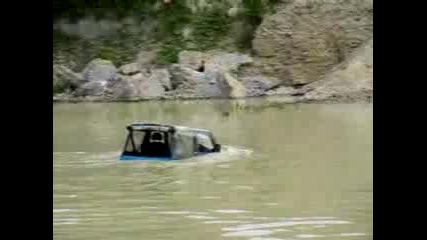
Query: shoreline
x,y
275,99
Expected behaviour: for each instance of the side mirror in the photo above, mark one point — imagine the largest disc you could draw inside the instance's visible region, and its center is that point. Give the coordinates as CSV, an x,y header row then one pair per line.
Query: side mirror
x,y
217,148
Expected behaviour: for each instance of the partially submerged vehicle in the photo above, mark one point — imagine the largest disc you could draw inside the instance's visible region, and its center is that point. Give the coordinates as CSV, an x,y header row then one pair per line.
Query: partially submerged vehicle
x,y
150,141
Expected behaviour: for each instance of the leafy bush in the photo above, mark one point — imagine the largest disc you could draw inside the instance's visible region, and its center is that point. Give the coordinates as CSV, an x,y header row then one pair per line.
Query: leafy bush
x,y
210,28
168,54
60,87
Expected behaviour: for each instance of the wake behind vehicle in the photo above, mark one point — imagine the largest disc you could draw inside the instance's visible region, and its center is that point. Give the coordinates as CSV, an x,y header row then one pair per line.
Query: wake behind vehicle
x,y
150,141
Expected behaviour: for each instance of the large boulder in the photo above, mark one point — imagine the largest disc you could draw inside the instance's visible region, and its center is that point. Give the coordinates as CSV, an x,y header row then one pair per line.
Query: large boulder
x,y
304,40
259,85
235,89
152,87
94,88
214,60
124,87
98,75
99,70
211,86
352,80
189,83
139,80
139,85
215,82
163,76
183,75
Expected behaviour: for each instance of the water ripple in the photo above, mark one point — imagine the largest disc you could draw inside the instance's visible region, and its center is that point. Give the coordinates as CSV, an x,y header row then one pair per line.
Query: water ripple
x,y
230,211
248,233
283,224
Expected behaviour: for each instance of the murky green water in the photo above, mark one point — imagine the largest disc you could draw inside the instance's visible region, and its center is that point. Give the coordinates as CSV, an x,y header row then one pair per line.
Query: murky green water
x,y
288,173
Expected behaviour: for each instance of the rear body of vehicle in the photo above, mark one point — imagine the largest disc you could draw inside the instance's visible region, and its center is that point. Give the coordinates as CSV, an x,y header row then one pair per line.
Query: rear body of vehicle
x,y
148,141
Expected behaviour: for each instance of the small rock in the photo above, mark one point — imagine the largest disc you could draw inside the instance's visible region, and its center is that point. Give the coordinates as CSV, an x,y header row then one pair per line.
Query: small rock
x,y
130,69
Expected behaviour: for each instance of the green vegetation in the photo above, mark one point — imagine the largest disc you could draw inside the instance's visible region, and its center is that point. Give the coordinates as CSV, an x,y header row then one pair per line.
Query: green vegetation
x,y
210,28
168,54
60,86
252,15
57,88
207,29
176,27
106,52
75,9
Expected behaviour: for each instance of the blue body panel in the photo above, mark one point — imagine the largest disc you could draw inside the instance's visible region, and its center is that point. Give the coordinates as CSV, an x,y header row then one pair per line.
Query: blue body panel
x,y
142,158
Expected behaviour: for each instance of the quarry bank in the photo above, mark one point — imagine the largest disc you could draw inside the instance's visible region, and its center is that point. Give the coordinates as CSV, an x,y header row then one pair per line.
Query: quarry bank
x,y
307,51
224,77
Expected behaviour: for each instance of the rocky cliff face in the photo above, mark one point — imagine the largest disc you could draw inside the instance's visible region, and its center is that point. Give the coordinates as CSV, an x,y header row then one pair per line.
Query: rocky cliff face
x,y
350,81
306,39
309,50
